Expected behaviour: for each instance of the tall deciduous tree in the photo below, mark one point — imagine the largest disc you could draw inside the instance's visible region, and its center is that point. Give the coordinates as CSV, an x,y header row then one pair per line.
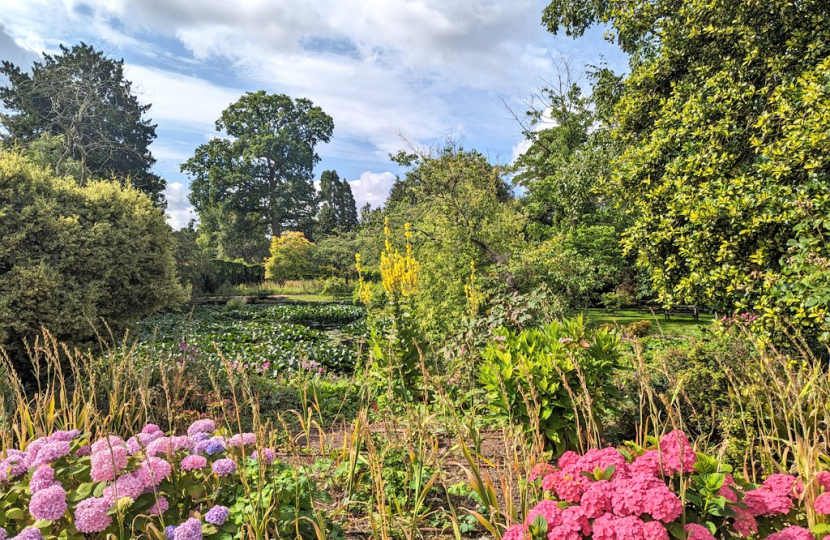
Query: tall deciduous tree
x,y
338,211
724,120
82,97
258,180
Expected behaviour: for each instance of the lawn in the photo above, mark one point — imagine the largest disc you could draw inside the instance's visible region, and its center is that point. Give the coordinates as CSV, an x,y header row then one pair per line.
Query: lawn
x,y
678,325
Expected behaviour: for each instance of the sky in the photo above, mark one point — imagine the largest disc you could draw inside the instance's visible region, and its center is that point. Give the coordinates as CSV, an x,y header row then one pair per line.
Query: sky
x,y
389,72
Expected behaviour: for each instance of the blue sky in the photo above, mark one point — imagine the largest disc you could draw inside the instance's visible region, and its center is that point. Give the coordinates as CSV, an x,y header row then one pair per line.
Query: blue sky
x,y
385,70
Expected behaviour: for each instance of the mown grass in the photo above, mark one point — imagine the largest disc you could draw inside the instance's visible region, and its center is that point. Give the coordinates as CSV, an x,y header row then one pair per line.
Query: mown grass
x,y
678,325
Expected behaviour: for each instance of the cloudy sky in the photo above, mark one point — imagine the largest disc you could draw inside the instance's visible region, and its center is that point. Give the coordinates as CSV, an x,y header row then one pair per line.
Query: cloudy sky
x,y
383,69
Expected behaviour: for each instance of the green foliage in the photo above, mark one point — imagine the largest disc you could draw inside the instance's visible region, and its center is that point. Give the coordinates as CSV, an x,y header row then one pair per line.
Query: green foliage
x,y
558,379
258,181
259,338
75,257
81,100
292,257
724,123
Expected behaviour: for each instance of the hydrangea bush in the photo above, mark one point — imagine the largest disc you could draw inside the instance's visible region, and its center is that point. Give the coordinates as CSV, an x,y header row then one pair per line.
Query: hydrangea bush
x,y
665,491
178,487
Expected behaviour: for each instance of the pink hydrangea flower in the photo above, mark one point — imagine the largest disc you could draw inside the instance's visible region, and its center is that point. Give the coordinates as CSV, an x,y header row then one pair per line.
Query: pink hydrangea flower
x,y
516,532
29,533
574,519
745,523
49,452
205,425
153,471
765,502
107,462
567,459
697,532
91,515
785,484
48,503
567,485
540,470
63,435
611,527
602,459
193,462
822,503
678,455
654,530
150,429
546,508
110,441
189,530
823,479
792,532
648,463
596,500
242,439
126,485
161,505
42,478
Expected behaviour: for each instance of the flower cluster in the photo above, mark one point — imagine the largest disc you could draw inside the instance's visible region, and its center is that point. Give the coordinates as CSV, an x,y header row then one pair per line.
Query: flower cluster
x,y
611,494
63,480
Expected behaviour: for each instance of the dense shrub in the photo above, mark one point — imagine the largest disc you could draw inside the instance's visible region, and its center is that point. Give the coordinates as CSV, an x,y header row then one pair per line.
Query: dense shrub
x,y
292,257
638,328
74,256
558,379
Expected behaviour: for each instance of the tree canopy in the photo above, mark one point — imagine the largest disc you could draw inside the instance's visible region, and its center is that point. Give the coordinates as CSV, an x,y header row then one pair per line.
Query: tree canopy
x,y
81,97
257,181
338,211
724,127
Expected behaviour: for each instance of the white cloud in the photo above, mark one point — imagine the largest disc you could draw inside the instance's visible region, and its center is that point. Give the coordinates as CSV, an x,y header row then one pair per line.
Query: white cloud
x,y
180,100
372,188
179,209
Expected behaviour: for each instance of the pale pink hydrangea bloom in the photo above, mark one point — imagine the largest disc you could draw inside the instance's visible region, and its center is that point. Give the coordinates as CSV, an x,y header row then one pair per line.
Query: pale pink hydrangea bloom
x,y
91,515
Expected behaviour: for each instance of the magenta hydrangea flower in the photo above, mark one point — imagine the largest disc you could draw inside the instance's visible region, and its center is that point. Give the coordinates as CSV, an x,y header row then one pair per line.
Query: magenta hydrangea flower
x,y
224,467
822,503
611,527
108,462
654,530
792,532
193,462
126,485
823,479
217,515
547,509
161,505
48,503
785,484
678,454
189,530
516,532
540,470
648,463
91,515
153,471
205,425
698,532
596,500
42,478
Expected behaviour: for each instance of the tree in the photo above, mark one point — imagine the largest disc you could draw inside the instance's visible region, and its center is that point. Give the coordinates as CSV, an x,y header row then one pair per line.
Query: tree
x,y
258,180
75,257
338,212
292,257
82,97
725,128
